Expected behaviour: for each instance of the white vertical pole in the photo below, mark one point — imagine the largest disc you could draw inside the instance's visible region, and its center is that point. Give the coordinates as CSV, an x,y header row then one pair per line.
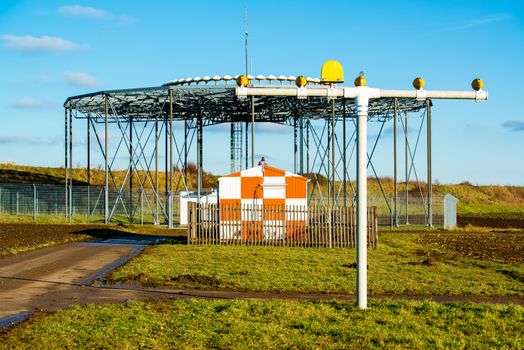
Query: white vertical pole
x,y
362,113
171,177
106,165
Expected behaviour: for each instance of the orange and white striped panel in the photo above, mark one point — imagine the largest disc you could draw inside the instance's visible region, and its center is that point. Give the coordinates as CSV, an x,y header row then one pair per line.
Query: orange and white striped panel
x,y
260,191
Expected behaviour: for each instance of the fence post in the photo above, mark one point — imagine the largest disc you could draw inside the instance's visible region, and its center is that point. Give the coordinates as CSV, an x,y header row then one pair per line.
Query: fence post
x,y
194,218
141,207
72,207
170,209
17,212
34,202
88,203
376,228
0,201
192,226
189,223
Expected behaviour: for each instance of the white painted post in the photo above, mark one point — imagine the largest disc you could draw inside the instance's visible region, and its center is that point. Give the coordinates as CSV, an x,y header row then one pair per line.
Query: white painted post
x,y
362,115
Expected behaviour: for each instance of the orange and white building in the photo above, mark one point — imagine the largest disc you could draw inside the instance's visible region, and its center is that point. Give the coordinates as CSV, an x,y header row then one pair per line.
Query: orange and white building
x,y
262,203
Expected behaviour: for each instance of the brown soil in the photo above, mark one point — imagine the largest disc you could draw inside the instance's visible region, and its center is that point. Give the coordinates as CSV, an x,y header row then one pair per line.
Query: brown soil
x,y
30,236
199,280
499,247
427,262
496,222
14,236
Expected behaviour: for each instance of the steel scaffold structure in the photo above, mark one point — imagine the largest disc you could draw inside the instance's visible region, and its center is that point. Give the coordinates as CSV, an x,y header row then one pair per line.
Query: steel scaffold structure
x,y
144,121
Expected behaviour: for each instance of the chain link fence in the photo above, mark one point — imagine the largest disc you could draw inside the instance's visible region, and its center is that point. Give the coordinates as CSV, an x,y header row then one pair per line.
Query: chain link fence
x,y
47,203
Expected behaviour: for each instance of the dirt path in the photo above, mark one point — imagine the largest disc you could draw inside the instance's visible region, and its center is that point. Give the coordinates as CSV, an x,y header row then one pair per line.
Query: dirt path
x,y
225,294
40,278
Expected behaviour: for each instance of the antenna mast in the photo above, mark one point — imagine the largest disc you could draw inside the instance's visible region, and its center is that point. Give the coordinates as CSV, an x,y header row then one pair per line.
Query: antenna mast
x,y
246,39
236,126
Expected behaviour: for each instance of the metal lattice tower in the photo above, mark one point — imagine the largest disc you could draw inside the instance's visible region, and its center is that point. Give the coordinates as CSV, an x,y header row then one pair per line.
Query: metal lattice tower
x,y
236,147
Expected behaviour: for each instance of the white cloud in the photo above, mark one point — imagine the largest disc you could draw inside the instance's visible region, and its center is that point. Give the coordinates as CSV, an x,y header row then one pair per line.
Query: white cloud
x,y
260,128
32,44
470,24
94,13
84,11
514,125
26,140
30,103
272,128
486,20
80,79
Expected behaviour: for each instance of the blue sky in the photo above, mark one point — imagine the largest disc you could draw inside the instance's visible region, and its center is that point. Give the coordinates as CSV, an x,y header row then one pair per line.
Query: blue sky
x,y
50,50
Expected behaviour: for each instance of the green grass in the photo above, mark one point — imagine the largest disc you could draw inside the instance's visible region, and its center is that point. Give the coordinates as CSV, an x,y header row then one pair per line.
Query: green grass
x,y
15,173
148,219
400,266
226,324
499,210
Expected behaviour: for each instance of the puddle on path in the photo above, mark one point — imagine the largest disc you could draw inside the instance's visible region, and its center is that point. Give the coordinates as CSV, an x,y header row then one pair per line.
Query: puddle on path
x,y
137,244
11,320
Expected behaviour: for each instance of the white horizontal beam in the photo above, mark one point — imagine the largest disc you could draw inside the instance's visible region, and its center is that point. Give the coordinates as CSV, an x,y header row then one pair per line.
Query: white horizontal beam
x,y
353,92
435,94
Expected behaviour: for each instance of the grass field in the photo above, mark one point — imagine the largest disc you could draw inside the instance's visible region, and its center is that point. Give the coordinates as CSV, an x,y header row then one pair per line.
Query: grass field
x,y
406,263
476,264
198,324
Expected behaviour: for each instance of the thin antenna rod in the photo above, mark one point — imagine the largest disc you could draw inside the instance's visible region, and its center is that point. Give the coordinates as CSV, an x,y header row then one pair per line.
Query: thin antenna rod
x,y
246,37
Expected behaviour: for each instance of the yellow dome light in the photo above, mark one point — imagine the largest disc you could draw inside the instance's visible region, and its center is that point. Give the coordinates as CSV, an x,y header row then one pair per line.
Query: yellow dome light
x,y
360,80
242,80
332,72
419,83
477,84
301,81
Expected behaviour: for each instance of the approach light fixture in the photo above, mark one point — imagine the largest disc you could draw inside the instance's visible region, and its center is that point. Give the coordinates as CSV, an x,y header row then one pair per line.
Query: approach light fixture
x,y
419,83
242,81
360,80
301,81
477,84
